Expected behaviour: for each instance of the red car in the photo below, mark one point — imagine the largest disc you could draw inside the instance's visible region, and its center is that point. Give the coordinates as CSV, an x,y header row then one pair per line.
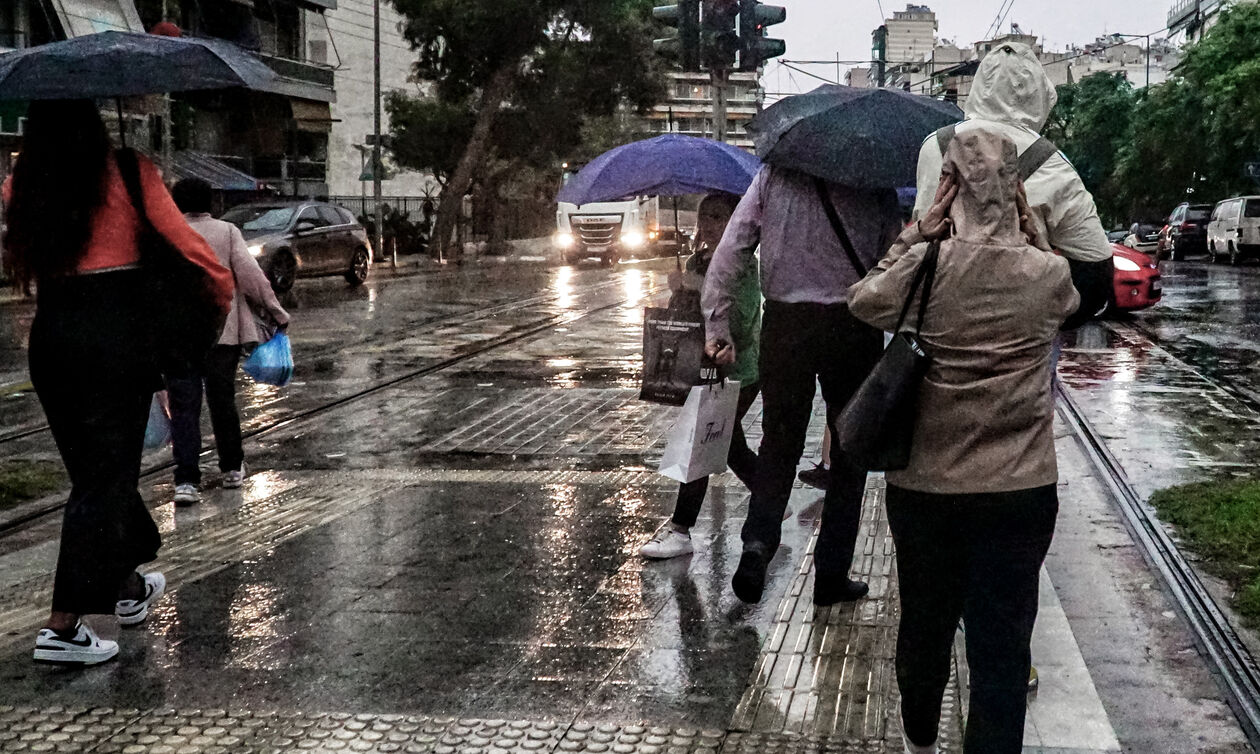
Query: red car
x,y
1137,283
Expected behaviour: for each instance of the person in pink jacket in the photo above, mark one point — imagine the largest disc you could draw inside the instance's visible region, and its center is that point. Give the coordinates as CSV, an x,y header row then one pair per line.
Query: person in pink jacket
x,y
253,304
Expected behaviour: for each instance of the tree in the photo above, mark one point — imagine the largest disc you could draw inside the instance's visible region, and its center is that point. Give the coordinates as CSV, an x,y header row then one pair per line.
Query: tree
x,y
513,84
1091,124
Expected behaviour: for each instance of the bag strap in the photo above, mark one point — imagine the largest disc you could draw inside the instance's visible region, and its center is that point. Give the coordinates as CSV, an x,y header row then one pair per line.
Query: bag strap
x,y
129,167
824,196
925,275
1035,156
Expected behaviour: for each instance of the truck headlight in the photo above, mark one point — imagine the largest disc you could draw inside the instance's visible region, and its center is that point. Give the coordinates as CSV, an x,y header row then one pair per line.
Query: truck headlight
x,y
255,250
564,240
1125,265
632,240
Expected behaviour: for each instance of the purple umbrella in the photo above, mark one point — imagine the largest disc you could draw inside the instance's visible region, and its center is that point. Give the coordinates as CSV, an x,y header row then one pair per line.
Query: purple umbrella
x,y
669,165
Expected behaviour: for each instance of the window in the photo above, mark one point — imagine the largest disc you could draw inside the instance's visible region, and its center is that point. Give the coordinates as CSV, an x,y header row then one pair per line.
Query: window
x,y
1219,211
1253,208
346,216
312,214
260,218
1196,213
330,216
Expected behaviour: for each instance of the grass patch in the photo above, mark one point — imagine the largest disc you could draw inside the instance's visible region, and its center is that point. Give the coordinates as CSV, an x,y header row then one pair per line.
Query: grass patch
x,y
21,481
1221,521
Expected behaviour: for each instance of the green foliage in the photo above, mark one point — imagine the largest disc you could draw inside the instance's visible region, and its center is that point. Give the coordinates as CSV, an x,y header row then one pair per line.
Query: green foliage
x,y
21,481
1221,521
575,60
1200,128
1091,124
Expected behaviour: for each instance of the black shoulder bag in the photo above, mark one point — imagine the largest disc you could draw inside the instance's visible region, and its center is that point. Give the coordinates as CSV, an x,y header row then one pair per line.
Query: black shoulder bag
x,y
184,320
876,427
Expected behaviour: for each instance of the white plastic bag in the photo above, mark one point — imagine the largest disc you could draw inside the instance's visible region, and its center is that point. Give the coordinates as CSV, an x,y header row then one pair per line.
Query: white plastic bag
x,y
158,431
700,438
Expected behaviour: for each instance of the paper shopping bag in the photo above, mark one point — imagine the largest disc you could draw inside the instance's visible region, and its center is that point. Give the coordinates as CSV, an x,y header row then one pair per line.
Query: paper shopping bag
x,y
700,438
673,347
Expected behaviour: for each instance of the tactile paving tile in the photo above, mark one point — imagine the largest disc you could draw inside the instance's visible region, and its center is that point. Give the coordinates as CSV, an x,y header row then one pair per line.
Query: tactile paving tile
x,y
827,676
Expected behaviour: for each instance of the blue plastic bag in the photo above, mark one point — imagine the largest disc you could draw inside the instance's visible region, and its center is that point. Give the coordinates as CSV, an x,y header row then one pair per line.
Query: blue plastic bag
x,y
157,433
272,362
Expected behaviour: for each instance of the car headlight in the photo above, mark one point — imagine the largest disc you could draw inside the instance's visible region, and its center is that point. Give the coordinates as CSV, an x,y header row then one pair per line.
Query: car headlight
x,y
564,240
1125,265
255,250
632,240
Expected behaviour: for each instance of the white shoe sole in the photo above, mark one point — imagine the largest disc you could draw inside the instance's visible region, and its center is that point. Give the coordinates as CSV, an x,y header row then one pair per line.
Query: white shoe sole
x,y
76,656
665,556
135,619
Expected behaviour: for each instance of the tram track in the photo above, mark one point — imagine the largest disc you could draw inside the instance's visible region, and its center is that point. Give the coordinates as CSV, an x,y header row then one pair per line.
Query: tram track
x,y
530,330
1230,661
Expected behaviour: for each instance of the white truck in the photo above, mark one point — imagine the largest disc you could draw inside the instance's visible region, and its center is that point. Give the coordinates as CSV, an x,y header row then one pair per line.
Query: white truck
x,y
611,231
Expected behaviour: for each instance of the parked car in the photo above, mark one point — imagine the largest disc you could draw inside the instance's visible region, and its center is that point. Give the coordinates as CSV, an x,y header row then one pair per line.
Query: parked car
x,y
1233,233
1137,281
1187,230
303,238
1117,236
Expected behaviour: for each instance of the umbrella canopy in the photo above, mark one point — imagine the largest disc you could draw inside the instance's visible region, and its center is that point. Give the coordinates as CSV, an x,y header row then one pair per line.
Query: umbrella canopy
x,y
122,64
669,165
866,138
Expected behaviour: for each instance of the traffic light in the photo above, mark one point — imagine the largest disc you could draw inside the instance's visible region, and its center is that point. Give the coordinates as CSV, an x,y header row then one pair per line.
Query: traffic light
x,y
719,37
755,47
685,47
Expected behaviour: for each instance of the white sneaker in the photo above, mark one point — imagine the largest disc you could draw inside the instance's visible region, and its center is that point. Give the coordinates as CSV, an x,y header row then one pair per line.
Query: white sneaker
x,y
232,479
86,648
668,543
187,494
133,612
914,749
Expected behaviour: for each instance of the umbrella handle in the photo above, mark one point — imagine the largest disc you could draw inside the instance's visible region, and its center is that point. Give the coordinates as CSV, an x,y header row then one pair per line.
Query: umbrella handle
x,y
122,124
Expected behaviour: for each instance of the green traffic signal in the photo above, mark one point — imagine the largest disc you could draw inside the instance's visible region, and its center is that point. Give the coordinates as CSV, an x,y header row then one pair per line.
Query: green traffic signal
x,y
685,46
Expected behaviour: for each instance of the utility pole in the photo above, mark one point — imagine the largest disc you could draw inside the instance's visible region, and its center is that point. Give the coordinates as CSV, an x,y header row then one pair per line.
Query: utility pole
x,y
379,241
1148,61
718,78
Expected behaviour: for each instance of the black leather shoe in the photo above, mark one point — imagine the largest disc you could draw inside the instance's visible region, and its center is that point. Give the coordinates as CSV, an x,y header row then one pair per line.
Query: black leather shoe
x,y
829,591
750,578
817,477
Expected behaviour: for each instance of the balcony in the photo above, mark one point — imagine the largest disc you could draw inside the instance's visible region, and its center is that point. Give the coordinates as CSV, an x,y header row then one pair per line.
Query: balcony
x,y
1186,14
310,73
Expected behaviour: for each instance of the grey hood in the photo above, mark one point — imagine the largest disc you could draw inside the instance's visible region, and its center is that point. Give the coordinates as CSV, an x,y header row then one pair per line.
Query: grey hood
x,y
1012,87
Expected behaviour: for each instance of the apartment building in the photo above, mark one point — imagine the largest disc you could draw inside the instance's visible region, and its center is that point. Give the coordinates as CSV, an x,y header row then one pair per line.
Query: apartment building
x,y
688,108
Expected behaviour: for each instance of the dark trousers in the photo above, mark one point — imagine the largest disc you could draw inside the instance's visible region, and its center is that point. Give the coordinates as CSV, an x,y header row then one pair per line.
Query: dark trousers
x,y
741,459
975,557
219,376
94,379
801,343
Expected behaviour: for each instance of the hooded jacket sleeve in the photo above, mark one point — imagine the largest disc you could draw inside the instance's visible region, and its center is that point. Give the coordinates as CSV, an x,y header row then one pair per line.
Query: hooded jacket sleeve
x,y
877,299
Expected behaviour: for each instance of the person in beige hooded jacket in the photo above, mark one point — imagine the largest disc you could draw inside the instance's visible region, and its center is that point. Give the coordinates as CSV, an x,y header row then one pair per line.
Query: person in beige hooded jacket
x,y
1012,95
973,513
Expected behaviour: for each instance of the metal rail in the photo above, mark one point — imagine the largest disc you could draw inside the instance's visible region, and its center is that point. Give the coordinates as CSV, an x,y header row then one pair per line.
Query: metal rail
x,y
483,348
1229,659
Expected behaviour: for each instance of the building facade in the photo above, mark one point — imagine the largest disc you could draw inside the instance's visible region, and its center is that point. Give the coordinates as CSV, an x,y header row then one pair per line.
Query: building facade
x,y
689,106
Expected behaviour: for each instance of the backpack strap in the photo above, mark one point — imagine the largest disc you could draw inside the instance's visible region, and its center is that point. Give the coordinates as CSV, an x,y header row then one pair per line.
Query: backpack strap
x,y
1035,156
824,196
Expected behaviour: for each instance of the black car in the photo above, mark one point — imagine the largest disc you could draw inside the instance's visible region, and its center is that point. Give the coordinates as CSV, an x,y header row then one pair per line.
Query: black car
x,y
292,238
1187,230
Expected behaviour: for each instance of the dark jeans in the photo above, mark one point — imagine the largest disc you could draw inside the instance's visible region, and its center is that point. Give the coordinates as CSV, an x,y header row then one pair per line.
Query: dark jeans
x,y
741,459
975,557
95,380
219,374
801,343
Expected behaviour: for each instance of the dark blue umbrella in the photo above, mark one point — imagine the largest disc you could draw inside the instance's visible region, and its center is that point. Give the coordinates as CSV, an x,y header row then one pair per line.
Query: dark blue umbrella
x,y
866,138
669,165
122,64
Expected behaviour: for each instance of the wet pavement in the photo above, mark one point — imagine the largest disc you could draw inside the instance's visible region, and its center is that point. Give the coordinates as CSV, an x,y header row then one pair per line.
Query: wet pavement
x,y
449,561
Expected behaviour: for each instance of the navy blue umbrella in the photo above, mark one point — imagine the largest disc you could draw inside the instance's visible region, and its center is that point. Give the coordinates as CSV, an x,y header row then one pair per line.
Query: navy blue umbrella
x,y
669,165
866,138
121,64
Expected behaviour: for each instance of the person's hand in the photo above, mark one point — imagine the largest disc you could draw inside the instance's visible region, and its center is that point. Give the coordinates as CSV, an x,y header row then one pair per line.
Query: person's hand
x,y
720,352
935,223
1026,224
281,318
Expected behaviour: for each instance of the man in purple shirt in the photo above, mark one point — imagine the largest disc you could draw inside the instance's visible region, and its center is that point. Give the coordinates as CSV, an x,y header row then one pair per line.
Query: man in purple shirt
x,y
807,334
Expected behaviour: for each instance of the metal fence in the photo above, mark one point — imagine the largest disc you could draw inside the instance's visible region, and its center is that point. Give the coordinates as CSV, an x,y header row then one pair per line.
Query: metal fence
x,y
411,206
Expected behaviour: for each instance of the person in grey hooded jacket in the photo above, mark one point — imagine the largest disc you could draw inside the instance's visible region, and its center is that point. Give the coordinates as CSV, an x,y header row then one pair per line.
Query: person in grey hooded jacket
x,y
1013,96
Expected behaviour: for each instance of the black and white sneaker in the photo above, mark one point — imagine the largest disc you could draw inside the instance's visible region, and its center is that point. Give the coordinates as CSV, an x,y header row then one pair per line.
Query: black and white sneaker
x,y
86,648
134,612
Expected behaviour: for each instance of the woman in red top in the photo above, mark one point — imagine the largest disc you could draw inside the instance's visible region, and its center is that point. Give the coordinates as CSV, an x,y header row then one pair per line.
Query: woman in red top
x,y
74,233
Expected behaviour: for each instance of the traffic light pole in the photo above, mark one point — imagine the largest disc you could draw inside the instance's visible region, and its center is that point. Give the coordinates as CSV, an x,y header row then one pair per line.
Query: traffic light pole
x,y
718,79
379,240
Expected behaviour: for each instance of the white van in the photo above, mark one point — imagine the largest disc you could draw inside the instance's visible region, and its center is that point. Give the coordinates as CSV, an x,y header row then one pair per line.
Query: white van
x,y
1234,232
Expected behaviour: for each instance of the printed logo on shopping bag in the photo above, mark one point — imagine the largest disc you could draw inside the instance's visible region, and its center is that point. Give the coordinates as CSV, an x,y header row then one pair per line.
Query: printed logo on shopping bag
x,y
714,432
673,348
